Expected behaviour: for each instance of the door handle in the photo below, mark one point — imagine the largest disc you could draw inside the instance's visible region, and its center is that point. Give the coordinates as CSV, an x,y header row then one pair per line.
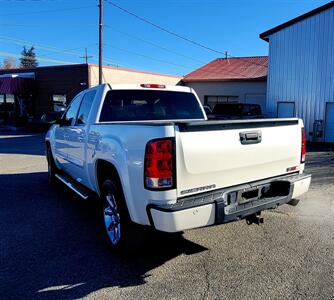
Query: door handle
x,y
250,137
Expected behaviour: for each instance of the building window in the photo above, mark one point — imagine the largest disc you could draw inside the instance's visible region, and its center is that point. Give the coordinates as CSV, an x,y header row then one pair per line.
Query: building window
x,y
213,100
10,99
7,107
2,108
58,102
10,103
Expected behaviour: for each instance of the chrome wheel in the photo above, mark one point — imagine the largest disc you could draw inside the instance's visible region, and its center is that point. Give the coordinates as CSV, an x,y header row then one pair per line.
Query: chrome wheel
x,y
112,218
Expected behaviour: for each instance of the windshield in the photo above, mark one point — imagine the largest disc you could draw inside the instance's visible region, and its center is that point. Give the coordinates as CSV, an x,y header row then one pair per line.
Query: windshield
x,y
142,105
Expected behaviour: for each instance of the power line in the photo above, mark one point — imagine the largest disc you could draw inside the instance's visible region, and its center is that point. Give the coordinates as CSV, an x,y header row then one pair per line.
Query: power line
x,y
49,48
119,31
177,65
46,11
66,51
164,29
21,42
137,38
4,54
148,57
67,25
130,36
108,60
53,49
152,44
171,32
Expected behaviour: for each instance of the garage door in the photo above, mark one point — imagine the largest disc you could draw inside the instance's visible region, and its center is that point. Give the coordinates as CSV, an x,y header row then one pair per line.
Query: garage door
x,y
285,109
329,125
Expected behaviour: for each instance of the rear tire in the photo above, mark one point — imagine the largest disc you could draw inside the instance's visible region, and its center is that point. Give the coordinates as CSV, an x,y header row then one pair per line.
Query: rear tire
x,y
116,219
122,235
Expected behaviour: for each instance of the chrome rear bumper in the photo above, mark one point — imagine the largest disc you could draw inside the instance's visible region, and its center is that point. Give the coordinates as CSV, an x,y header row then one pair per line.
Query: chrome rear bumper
x,y
227,205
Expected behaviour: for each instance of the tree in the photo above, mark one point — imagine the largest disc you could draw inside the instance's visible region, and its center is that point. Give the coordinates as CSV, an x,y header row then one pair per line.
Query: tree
x,y
28,59
9,62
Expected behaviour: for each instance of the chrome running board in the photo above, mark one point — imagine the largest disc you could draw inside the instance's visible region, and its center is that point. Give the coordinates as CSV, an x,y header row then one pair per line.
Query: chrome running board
x,y
75,187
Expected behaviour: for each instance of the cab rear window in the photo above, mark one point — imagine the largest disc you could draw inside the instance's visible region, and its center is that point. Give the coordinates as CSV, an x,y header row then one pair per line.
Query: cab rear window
x,y
144,105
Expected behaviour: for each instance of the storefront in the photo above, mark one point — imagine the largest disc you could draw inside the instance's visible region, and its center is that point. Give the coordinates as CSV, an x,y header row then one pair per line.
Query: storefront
x,y
16,98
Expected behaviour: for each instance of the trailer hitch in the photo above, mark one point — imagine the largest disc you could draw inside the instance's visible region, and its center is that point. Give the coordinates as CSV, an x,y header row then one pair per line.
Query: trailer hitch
x,y
254,219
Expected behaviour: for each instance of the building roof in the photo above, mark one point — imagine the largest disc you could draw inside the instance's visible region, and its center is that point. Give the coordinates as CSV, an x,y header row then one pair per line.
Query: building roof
x,y
231,69
313,12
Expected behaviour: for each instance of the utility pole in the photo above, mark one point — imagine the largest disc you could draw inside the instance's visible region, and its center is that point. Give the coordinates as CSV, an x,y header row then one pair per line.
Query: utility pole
x,y
100,39
86,56
226,54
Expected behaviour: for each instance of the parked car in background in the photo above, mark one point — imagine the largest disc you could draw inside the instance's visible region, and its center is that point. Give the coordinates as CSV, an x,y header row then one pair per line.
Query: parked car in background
x,y
152,157
233,111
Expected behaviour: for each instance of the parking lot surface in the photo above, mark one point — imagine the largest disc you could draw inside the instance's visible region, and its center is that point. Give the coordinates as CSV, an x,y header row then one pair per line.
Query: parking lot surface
x,y
51,246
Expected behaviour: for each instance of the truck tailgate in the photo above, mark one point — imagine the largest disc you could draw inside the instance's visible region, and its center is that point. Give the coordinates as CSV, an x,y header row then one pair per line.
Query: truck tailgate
x,y
212,155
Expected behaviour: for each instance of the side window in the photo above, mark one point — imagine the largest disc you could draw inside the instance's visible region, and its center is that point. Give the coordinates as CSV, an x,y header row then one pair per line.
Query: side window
x,y
71,113
85,107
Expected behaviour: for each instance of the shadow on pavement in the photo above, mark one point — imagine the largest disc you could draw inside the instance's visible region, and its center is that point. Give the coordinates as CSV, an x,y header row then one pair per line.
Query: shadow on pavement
x,y
320,162
52,244
321,166
22,143
319,147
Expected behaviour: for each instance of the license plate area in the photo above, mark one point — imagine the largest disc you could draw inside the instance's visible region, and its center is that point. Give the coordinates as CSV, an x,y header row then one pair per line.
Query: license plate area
x,y
249,195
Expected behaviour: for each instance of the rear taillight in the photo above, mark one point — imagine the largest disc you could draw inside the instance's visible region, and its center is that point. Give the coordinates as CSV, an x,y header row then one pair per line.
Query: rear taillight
x,y
303,150
159,170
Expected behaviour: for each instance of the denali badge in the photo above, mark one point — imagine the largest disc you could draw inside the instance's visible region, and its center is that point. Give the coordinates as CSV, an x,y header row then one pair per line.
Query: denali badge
x,y
199,189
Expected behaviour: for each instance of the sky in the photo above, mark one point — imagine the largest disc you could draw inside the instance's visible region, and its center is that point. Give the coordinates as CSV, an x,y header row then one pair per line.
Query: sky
x,y
60,30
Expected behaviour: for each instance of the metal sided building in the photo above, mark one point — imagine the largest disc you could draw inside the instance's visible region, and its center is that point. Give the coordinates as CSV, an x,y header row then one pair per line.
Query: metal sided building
x,y
301,71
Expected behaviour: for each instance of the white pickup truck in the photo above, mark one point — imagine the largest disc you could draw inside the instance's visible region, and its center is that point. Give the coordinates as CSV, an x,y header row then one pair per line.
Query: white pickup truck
x,y
152,157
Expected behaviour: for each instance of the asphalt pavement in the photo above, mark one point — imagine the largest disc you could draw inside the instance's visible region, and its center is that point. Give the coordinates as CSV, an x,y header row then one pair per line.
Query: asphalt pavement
x,y
51,245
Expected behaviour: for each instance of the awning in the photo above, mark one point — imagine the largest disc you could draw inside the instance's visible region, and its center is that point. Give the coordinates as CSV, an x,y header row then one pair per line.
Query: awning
x,y
16,84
